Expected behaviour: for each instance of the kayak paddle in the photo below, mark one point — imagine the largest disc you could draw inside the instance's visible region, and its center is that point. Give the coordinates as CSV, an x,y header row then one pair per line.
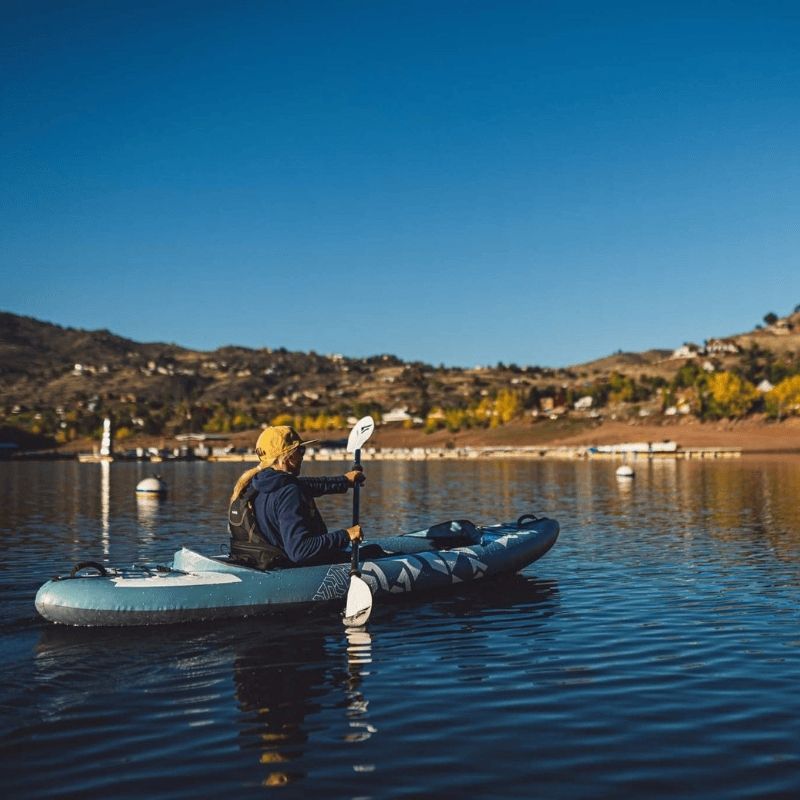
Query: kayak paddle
x,y
359,597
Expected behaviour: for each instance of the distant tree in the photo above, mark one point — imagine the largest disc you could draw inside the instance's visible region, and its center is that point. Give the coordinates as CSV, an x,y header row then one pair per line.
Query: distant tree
x,y
622,389
507,405
483,413
455,419
729,395
771,318
220,421
687,376
599,392
532,398
434,420
784,399
242,421
122,433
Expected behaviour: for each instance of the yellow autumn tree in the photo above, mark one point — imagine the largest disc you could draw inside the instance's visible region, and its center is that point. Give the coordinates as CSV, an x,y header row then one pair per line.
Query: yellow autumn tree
x,y
220,421
285,419
242,421
313,423
729,395
435,420
784,399
337,422
455,419
507,405
483,411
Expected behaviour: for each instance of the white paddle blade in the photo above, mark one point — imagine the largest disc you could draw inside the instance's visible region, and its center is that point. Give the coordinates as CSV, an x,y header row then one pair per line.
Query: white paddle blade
x,y
359,603
361,431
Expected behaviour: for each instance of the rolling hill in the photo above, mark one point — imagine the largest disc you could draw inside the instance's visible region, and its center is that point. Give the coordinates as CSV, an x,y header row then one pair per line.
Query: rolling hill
x,y
60,382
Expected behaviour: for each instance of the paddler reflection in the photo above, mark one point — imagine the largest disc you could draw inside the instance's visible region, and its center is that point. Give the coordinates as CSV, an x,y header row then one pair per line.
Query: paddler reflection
x,y
282,680
279,682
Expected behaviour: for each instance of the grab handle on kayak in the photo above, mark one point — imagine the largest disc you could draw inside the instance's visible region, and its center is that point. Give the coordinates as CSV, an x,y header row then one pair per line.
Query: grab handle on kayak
x,y
525,518
88,565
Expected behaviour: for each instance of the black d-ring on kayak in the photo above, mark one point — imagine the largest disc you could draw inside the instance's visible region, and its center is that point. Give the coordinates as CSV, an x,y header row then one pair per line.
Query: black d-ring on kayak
x,y
526,518
88,565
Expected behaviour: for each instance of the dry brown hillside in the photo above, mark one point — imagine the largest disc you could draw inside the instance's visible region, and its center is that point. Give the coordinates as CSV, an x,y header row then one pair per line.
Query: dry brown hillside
x,y
61,382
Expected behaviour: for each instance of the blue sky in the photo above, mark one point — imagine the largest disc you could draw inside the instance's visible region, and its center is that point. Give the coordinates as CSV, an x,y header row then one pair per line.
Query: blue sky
x,y
454,182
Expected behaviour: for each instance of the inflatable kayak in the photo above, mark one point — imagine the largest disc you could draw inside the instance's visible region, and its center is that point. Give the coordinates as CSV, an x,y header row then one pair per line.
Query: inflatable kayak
x,y
196,587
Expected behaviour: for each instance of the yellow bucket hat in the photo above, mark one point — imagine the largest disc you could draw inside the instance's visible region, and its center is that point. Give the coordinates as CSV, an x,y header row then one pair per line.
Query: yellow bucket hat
x,y
277,441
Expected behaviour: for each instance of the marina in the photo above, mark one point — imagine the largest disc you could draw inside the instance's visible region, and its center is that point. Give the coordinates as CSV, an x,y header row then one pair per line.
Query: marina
x,y
504,452
210,447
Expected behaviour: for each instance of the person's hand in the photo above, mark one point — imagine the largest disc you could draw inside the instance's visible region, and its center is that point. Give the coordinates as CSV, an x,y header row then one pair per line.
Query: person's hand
x,y
355,476
355,533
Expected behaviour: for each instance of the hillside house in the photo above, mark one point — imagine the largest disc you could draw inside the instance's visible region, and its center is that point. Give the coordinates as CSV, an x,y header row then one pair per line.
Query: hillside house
x,y
686,350
584,403
83,369
721,347
399,414
781,328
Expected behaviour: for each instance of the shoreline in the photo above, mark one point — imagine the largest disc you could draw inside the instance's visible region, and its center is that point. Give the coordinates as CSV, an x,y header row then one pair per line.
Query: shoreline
x,y
563,439
622,453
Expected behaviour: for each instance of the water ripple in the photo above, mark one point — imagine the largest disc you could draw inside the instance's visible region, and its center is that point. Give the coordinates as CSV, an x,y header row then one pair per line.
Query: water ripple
x,y
653,653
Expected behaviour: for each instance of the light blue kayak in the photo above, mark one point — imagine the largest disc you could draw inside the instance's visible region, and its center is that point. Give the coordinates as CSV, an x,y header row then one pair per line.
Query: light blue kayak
x,y
196,587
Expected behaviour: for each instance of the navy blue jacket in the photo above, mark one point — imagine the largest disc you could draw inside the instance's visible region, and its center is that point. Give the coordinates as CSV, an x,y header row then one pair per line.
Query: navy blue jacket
x,y
287,516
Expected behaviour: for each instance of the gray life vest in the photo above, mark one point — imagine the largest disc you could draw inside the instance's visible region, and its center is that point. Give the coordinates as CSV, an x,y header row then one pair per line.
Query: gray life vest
x,y
248,546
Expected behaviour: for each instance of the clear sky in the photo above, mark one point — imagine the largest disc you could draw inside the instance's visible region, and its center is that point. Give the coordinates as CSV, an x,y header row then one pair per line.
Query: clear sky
x,y
455,182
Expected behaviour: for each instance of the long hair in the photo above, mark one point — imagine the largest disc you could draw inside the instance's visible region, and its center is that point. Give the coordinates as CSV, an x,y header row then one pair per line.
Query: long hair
x,y
244,479
249,474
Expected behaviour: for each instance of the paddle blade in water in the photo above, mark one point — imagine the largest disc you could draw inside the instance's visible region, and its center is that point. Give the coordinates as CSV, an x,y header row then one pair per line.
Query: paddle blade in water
x,y
359,603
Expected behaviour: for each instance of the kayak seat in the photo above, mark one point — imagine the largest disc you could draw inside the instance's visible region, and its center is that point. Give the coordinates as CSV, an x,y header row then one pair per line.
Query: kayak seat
x,y
461,529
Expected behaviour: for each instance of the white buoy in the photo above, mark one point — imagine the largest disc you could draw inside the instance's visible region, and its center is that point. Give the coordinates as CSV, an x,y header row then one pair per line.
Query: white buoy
x,y
625,471
152,487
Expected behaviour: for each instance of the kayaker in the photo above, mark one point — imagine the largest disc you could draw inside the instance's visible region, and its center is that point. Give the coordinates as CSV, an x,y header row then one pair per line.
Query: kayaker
x,y
273,518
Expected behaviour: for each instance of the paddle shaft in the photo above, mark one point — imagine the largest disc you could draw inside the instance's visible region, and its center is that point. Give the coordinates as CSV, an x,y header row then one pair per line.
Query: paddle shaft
x,y
356,509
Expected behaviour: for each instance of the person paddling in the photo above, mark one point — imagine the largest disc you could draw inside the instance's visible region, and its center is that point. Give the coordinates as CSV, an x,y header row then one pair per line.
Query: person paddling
x,y
273,518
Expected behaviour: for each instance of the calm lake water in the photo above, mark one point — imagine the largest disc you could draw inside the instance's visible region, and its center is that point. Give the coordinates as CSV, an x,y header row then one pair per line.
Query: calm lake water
x,y
653,652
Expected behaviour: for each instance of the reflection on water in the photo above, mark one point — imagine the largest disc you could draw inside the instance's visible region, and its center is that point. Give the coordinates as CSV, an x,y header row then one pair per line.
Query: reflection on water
x,y
96,507
359,656
653,652
278,682
148,507
105,503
